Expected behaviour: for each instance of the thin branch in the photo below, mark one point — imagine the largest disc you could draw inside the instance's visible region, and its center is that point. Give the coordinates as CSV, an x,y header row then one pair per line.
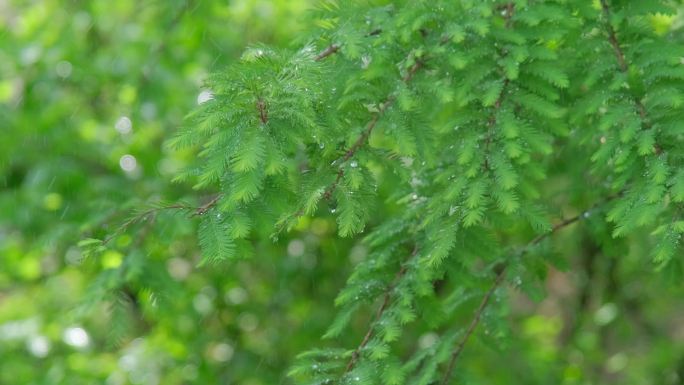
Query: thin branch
x,y
620,57
261,104
263,113
473,325
330,50
508,10
381,310
207,206
612,37
361,140
152,213
499,279
334,48
143,216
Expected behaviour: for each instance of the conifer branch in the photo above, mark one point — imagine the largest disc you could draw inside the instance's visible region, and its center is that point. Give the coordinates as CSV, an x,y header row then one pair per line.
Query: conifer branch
x,y
499,279
330,50
381,310
152,213
508,15
612,38
620,57
334,48
201,210
361,140
143,216
473,325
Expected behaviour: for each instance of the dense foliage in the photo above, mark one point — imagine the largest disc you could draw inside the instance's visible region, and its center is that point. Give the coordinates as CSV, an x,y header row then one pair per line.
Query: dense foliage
x,y
407,192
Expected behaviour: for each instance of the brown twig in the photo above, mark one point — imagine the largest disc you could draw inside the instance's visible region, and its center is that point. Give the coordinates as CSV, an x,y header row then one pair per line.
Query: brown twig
x,y
263,113
612,38
334,48
207,206
331,49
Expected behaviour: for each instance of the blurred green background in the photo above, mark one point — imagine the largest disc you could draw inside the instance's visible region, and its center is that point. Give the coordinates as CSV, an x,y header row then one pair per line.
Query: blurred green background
x,y
89,93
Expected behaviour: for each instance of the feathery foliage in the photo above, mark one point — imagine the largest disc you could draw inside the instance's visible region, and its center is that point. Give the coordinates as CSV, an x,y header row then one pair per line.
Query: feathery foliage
x,y
469,156
465,108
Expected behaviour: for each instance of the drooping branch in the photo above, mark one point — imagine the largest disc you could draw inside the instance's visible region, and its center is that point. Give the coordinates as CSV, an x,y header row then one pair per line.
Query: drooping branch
x,y
500,278
387,297
620,57
361,140
508,10
473,325
152,213
612,38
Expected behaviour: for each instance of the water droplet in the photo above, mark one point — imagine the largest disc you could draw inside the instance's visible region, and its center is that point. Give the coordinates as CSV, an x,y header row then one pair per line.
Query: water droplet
x,y
353,164
321,146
